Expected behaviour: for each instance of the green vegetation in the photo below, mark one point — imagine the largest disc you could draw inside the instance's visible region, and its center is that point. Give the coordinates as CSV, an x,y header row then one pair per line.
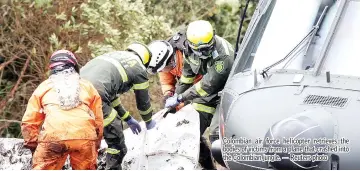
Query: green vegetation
x,y
31,30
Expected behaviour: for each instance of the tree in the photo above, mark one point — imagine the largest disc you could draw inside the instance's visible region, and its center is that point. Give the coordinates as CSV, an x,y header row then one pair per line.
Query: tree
x,y
31,30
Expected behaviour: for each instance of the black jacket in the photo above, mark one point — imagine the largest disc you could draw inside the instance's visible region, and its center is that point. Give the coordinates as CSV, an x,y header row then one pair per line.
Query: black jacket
x,y
115,73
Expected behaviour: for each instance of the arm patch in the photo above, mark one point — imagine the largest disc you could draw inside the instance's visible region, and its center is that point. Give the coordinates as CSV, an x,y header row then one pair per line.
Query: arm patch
x,y
219,66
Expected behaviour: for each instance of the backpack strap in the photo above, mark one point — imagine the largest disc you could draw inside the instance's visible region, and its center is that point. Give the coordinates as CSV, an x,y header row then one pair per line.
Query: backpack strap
x,y
178,41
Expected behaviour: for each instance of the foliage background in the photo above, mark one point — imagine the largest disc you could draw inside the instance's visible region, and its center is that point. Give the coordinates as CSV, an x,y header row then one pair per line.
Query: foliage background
x,y
30,30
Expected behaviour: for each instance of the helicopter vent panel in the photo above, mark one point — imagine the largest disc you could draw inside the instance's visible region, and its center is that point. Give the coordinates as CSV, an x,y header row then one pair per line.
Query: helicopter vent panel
x,y
325,101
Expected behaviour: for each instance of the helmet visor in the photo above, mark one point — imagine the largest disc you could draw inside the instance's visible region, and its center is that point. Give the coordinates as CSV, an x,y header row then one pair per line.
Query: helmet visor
x,y
204,49
201,46
205,52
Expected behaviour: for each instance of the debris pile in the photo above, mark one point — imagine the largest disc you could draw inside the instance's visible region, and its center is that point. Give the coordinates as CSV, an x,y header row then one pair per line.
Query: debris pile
x,y
173,144
14,157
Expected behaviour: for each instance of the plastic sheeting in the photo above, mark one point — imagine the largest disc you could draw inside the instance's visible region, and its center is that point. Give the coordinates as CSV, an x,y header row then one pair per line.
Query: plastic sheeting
x,y
173,144
13,156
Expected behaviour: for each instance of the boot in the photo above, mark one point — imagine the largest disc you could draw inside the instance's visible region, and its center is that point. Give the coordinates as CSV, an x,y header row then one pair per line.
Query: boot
x,y
114,161
213,136
205,158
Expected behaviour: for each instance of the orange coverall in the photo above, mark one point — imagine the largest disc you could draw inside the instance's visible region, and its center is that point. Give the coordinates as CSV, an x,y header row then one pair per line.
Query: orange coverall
x,y
57,133
168,79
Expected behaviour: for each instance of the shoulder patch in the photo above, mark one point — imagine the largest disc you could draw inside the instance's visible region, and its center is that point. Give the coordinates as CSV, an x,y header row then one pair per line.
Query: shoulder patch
x,y
219,66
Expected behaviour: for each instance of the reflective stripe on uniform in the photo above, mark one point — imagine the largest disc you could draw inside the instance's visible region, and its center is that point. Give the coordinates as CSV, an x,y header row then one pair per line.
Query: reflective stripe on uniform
x,y
203,108
116,102
148,120
117,65
112,151
193,61
125,115
145,112
110,118
141,86
186,59
187,80
199,90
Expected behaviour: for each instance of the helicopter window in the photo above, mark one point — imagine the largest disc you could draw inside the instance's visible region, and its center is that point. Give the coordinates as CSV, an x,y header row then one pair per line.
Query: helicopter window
x,y
343,53
255,30
282,27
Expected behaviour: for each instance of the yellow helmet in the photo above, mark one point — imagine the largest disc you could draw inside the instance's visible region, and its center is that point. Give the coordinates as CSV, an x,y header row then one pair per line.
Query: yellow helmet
x,y
200,34
141,50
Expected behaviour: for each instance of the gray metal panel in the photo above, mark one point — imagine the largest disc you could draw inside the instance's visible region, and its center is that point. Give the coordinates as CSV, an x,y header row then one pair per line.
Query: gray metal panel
x,y
243,82
329,38
343,56
316,47
260,102
255,112
287,26
254,30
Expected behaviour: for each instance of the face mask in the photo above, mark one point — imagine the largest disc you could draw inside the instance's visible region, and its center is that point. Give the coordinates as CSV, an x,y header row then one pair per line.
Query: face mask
x,y
204,52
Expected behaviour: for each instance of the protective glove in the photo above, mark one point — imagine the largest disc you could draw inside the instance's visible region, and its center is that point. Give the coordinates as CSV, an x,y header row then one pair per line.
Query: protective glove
x,y
168,95
173,101
134,125
150,125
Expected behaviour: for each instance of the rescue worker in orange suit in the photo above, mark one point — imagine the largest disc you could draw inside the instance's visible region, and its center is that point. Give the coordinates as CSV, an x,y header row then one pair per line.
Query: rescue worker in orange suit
x,y
112,74
211,56
168,66
63,117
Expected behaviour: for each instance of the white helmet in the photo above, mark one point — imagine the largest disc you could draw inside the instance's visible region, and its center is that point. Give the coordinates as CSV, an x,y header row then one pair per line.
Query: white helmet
x,y
161,52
